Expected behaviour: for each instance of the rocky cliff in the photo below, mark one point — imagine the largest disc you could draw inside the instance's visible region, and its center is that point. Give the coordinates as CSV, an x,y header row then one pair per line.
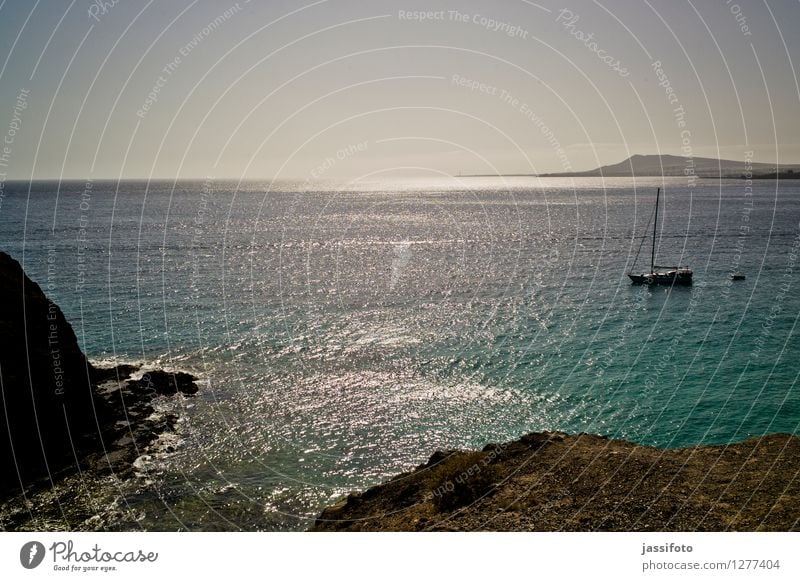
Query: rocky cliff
x,y
48,406
53,418
558,482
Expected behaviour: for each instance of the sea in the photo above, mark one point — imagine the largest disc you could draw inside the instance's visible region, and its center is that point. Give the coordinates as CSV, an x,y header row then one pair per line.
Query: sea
x,y
344,331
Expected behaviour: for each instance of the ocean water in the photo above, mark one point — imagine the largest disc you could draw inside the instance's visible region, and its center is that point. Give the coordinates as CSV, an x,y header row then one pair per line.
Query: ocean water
x,y
345,331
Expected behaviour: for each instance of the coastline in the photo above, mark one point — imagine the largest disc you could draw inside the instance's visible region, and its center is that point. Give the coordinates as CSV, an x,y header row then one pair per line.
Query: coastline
x,y
67,425
553,481
87,495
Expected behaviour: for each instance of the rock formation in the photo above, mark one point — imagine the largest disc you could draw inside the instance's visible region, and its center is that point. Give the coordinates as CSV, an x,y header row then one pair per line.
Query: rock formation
x,y
53,417
558,482
48,409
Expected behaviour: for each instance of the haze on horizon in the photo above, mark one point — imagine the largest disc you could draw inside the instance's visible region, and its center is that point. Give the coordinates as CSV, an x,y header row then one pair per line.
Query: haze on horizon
x,y
335,89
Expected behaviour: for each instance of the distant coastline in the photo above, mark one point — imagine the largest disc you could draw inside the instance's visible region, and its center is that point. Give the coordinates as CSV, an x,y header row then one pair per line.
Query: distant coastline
x,y
676,166
787,175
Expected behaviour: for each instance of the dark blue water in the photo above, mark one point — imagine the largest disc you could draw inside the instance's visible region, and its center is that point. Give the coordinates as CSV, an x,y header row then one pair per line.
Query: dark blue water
x,y
345,333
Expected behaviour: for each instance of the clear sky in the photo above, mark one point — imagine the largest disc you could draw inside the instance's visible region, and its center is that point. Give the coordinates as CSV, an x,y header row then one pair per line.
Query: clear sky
x,y
342,88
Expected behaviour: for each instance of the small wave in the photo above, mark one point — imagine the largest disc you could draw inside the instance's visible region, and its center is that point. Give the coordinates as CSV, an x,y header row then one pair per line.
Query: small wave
x,y
152,462
110,363
144,366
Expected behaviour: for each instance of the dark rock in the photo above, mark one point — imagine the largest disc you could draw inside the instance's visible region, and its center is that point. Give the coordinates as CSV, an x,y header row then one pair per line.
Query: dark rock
x,y
167,383
537,440
438,457
53,418
118,373
48,406
353,499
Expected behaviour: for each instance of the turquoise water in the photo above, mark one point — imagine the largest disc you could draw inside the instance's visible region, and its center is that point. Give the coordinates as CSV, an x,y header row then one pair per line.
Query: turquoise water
x,y
346,332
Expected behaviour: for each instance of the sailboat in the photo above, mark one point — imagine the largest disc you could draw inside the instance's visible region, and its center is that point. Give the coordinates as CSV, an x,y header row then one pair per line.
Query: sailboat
x,y
670,275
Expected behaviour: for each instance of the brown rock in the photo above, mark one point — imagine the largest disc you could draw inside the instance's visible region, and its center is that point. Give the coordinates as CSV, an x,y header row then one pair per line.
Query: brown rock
x,y
558,482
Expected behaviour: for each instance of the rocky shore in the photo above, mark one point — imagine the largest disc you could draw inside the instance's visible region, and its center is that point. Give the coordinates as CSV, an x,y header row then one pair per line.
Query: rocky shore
x,y
560,482
60,416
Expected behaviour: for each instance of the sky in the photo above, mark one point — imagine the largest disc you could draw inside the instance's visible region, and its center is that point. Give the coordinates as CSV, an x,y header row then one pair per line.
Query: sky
x,y
333,89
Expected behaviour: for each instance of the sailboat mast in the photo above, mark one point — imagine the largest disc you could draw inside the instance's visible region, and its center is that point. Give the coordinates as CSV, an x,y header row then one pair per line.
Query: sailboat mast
x,y
655,227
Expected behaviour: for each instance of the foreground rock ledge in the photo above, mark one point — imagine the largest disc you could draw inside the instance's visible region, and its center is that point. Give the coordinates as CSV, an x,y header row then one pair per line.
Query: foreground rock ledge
x,y
558,482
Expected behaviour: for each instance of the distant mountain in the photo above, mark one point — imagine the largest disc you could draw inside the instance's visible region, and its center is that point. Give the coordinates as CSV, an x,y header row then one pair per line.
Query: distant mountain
x,y
675,165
